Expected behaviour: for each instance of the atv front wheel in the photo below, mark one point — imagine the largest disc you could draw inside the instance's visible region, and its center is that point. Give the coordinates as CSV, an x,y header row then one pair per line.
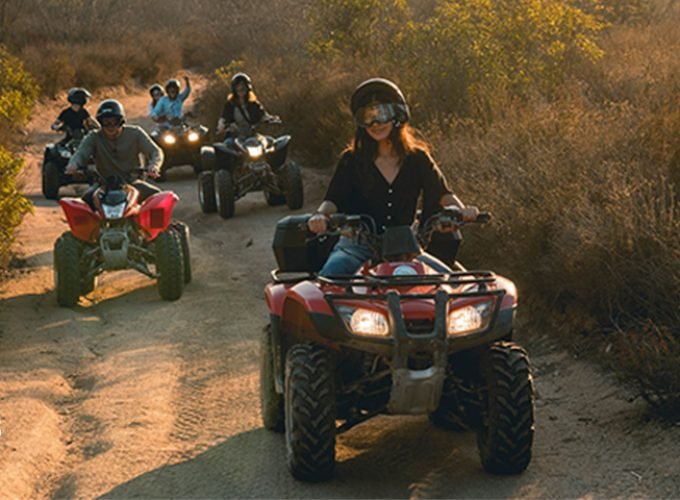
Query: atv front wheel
x,y
182,231
309,408
506,434
206,192
67,270
295,196
271,403
225,193
50,181
169,265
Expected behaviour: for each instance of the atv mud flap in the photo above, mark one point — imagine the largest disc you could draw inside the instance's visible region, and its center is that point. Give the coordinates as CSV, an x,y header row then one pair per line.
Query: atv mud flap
x,y
417,391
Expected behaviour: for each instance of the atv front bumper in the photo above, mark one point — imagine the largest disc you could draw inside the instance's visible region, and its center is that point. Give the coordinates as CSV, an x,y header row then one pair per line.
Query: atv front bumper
x,y
416,391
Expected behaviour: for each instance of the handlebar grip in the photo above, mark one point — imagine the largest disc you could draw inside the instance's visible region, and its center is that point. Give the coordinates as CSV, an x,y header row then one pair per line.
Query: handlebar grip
x,y
337,220
483,217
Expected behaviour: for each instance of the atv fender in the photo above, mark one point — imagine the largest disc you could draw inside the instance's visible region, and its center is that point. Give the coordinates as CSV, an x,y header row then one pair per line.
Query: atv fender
x,y
156,213
275,294
281,142
510,297
49,153
207,158
221,147
84,223
226,158
310,297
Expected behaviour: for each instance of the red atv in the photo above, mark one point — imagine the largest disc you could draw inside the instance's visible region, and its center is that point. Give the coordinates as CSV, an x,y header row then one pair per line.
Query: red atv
x,y
398,338
121,233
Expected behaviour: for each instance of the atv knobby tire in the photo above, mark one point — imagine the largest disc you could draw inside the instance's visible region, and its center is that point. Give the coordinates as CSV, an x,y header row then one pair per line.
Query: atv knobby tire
x,y
182,231
67,281
271,403
169,265
206,192
225,193
310,413
50,181
506,434
295,196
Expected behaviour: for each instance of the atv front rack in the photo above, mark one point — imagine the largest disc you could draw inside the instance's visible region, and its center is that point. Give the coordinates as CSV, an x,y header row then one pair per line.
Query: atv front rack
x,y
349,281
456,278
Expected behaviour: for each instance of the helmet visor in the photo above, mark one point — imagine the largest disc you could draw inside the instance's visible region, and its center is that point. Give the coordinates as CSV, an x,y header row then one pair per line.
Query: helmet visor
x,y
379,113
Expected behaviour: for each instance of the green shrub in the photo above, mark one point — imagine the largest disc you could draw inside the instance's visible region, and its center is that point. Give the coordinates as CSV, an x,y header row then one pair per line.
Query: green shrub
x,y
468,49
17,95
18,92
13,206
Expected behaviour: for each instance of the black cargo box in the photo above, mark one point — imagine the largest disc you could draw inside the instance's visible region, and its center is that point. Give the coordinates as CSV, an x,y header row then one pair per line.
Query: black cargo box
x,y
297,249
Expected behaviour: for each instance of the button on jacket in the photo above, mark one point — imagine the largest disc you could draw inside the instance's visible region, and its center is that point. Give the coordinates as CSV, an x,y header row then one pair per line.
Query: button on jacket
x,y
359,187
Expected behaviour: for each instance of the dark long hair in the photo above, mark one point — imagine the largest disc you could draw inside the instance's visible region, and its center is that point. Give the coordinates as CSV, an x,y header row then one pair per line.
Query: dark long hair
x,y
250,97
405,140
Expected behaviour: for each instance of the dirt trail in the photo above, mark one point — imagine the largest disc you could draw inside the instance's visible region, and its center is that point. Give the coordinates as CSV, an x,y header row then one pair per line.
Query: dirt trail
x,y
129,396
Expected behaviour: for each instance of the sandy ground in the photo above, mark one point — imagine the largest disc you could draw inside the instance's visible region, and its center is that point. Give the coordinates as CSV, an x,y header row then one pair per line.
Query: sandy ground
x,y
130,396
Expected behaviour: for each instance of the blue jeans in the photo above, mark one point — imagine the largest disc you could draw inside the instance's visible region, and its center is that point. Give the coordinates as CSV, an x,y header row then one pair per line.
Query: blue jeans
x,y
348,256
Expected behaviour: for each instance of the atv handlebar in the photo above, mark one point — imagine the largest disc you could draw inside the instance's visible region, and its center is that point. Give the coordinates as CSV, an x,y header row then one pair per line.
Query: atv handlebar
x,y
451,219
364,226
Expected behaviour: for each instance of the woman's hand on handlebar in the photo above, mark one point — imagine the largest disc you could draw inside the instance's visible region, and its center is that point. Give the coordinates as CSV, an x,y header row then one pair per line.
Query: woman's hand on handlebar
x,y
318,223
470,213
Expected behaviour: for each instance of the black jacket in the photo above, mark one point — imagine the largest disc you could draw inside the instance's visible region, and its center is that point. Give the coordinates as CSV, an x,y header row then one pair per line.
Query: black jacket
x,y
254,111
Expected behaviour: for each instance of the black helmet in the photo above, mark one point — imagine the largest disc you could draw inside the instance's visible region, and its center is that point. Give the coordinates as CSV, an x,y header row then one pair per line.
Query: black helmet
x,y
241,78
78,95
156,87
380,91
173,82
111,108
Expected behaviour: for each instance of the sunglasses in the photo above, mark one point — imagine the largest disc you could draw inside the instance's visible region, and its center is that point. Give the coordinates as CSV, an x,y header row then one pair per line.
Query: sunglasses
x,y
110,123
374,114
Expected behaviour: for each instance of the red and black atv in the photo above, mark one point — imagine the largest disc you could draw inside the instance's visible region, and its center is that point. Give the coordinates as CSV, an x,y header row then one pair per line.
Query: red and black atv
x,y
395,338
121,233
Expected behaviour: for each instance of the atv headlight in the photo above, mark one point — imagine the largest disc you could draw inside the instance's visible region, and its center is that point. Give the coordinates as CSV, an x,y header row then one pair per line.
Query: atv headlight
x,y
255,151
364,321
193,136
169,139
114,211
65,153
470,318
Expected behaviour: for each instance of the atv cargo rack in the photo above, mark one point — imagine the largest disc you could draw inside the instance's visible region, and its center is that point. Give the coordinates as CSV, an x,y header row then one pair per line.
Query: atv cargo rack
x,y
455,278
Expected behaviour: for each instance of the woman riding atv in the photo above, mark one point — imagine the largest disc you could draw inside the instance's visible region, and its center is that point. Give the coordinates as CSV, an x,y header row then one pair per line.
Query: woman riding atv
x,y
75,119
242,110
156,92
382,174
